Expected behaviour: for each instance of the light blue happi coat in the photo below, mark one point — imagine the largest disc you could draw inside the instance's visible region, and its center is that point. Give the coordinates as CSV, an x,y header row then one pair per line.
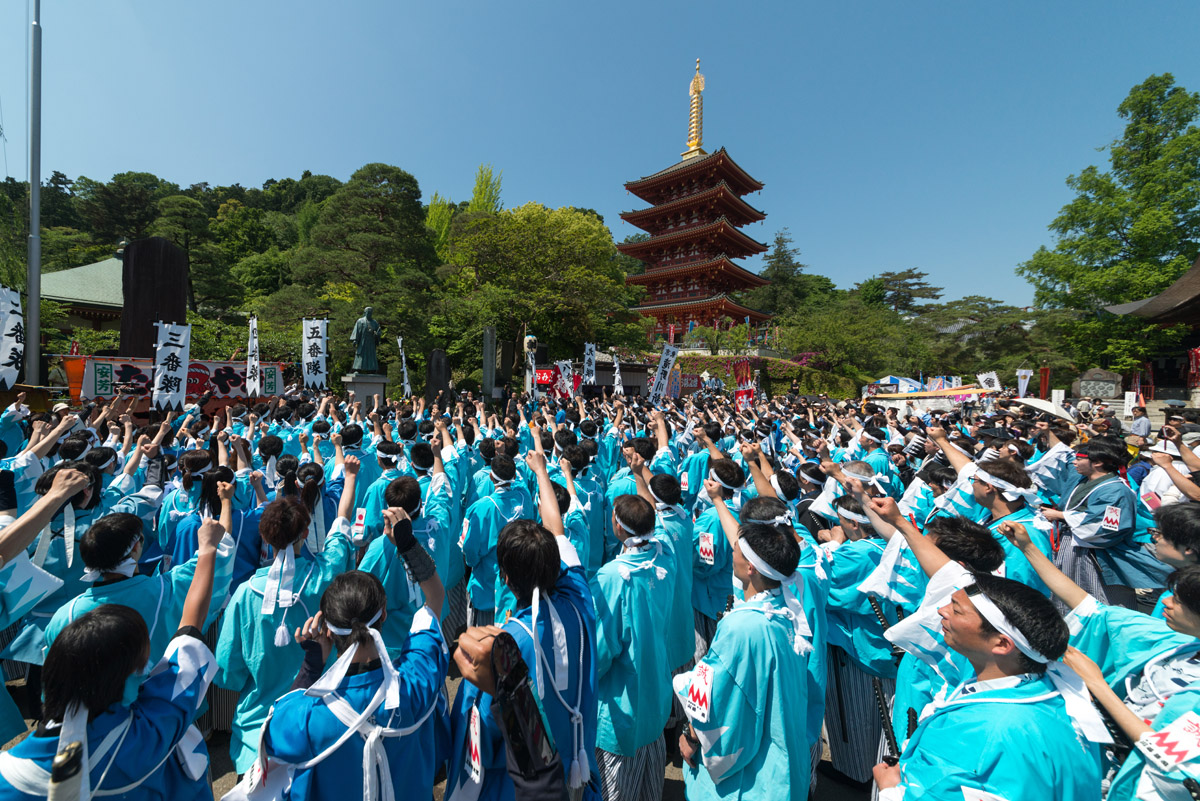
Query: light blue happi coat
x,y
22,585
481,532
673,528
561,688
250,663
1016,564
1011,737
158,599
633,668
1122,643
743,701
712,564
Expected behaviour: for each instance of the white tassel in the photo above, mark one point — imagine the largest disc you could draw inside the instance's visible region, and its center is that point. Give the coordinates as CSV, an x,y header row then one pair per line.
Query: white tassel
x,y
661,572
574,781
624,571
282,636
585,771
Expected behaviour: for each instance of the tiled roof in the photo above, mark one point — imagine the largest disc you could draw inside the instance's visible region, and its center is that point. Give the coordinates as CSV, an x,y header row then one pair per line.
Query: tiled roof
x,y
98,284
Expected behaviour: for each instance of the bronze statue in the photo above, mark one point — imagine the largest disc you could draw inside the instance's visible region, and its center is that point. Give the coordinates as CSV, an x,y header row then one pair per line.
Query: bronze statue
x,y
365,339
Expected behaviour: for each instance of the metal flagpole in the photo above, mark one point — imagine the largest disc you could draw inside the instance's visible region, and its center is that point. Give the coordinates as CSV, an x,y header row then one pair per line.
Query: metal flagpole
x,y
33,323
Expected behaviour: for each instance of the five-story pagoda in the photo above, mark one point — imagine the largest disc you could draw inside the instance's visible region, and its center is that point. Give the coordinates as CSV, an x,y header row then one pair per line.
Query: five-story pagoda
x,y
694,220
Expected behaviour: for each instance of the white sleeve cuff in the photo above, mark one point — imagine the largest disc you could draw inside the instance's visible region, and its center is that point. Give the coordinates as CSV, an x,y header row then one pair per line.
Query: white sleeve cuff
x,y
892,793
567,552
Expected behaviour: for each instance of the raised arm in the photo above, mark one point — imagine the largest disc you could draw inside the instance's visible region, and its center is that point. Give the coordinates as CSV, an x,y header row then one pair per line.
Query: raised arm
x,y
346,504
199,595
1063,588
958,460
18,536
547,503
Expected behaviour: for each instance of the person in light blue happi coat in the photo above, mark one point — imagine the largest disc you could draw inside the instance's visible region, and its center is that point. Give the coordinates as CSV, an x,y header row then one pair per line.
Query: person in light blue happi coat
x,y
431,526
394,464
371,721
149,750
22,584
256,654
712,560
244,531
57,549
1014,722
1007,492
1143,671
555,629
745,737
481,531
633,670
110,550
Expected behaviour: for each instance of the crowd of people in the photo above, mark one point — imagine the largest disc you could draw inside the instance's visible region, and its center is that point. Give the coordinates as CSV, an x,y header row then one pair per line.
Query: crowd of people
x,y
984,602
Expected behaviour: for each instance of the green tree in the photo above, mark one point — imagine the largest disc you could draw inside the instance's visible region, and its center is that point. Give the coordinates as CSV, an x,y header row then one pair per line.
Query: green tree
x,y
790,286
438,217
58,210
485,197
1129,232
902,290
369,246
64,248
975,334
855,338
181,219
264,273
872,292
123,207
552,272
628,264
720,339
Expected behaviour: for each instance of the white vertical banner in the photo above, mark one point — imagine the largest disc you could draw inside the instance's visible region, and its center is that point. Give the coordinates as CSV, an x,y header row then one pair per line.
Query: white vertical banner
x,y
314,353
1023,377
404,367
1057,396
172,355
618,387
662,375
12,337
1130,402
589,363
253,367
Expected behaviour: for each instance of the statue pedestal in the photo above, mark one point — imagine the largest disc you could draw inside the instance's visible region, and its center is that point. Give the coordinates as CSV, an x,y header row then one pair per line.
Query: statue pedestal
x,y
365,386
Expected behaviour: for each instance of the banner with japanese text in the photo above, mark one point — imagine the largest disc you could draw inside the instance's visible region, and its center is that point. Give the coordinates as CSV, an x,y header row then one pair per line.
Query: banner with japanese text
x,y
107,377
12,337
171,360
314,353
662,375
253,372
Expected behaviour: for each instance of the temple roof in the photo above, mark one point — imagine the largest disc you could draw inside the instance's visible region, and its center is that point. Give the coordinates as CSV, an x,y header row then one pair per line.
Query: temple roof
x,y
1178,303
720,264
722,195
723,301
99,284
740,181
734,241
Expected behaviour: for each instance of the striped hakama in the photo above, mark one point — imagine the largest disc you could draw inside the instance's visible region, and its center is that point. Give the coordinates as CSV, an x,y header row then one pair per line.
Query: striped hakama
x,y
852,717
633,778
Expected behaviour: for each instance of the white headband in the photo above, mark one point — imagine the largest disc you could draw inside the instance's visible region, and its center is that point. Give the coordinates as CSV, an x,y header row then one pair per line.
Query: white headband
x,y
1010,491
332,680
126,567
855,516
713,475
801,632
1065,680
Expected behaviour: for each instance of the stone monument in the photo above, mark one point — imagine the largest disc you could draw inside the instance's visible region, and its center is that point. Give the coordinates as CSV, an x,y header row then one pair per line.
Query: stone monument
x,y
1097,383
366,381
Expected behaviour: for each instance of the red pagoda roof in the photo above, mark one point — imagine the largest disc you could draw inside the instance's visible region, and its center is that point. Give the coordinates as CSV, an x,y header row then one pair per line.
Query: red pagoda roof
x,y
721,195
721,264
720,231
722,301
719,164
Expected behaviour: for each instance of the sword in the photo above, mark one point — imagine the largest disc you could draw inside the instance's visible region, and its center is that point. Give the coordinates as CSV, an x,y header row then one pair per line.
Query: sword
x,y
892,757
877,608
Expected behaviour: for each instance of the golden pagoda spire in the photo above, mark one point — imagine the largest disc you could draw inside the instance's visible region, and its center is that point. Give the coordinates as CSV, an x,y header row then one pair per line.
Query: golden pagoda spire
x,y
696,117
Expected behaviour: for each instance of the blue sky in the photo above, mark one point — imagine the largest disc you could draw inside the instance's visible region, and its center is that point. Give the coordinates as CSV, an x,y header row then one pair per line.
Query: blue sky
x,y
934,135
